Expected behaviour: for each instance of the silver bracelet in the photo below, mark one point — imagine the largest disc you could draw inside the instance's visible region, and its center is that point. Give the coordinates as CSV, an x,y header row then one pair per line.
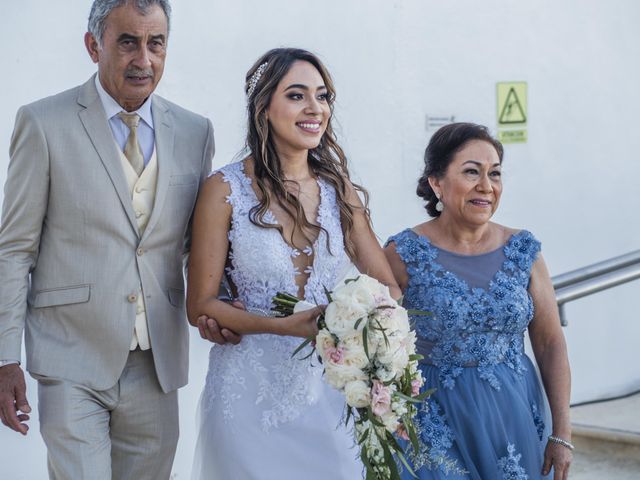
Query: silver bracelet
x,y
261,311
561,441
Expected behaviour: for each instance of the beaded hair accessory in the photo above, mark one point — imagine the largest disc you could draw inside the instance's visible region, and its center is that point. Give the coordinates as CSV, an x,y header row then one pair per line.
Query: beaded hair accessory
x,y
255,78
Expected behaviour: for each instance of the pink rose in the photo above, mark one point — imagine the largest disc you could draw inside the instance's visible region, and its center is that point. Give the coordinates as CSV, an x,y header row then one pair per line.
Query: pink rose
x,y
380,398
336,355
402,432
416,383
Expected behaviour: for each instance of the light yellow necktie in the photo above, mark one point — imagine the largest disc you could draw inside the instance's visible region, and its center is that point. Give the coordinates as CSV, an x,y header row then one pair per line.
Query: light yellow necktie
x,y
132,149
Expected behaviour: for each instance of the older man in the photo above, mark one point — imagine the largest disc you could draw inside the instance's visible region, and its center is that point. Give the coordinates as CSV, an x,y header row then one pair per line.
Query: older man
x,y
100,189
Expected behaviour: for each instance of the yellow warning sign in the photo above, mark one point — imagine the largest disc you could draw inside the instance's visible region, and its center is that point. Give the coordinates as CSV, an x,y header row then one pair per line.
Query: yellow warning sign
x,y
512,104
512,136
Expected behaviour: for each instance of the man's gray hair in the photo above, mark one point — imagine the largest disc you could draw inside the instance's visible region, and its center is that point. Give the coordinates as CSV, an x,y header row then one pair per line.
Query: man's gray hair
x,y
101,9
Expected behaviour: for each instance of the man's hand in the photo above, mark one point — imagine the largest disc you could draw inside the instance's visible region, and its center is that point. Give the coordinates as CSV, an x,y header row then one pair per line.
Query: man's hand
x,y
210,330
13,398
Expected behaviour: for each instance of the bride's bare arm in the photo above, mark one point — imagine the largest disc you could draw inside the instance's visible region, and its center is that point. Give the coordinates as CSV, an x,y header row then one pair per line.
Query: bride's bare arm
x,y
370,258
209,249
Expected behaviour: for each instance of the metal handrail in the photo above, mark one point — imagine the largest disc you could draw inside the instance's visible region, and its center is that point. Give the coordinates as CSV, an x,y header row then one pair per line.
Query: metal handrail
x,y
596,269
595,278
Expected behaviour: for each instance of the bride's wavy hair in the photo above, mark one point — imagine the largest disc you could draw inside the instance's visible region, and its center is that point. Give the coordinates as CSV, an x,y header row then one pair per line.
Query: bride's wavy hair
x,y
326,161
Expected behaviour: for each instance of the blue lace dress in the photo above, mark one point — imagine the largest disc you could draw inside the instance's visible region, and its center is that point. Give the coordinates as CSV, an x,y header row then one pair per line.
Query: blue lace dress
x,y
486,420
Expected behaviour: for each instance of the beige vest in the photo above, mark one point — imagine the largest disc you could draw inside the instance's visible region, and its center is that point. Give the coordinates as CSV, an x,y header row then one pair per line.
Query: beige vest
x,y
143,195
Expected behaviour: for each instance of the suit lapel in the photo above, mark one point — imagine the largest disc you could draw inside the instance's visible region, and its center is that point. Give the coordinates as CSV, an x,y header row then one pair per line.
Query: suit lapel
x,y
95,123
164,137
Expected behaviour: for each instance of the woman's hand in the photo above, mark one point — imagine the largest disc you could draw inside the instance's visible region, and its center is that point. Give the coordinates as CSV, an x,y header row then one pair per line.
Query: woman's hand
x,y
559,457
302,324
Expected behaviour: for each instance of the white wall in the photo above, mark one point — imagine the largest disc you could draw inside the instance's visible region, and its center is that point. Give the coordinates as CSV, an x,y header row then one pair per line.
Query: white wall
x,y
574,183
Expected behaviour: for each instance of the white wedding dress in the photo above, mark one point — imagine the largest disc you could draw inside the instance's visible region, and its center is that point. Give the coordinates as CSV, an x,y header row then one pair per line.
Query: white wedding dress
x,y
263,414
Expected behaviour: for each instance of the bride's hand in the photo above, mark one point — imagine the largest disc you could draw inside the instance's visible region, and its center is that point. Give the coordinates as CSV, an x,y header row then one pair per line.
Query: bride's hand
x,y
302,324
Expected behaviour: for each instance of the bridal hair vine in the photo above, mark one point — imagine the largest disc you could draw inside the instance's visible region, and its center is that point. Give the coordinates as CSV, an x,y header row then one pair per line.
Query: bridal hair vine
x,y
255,78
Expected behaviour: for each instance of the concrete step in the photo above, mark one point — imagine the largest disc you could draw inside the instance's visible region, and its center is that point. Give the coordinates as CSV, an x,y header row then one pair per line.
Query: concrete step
x,y
607,440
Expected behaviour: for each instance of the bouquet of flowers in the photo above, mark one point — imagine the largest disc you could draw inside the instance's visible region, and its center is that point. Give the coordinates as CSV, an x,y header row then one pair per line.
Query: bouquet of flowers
x,y
368,352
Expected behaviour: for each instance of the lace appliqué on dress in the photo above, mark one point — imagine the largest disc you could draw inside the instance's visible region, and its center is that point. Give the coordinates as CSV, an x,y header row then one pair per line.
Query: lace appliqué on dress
x,y
537,420
261,266
470,327
509,466
438,437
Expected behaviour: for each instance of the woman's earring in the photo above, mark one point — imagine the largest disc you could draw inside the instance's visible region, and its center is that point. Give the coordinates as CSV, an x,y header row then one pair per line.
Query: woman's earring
x,y
439,205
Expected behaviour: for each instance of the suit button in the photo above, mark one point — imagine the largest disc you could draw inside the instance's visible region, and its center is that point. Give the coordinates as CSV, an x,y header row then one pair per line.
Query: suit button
x,y
140,251
133,298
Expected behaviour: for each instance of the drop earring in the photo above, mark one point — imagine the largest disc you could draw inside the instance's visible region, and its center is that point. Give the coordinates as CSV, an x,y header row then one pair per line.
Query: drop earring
x,y
439,205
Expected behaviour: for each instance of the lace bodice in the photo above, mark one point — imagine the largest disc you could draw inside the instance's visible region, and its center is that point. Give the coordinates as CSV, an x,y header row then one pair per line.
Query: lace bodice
x,y
261,266
469,327
261,263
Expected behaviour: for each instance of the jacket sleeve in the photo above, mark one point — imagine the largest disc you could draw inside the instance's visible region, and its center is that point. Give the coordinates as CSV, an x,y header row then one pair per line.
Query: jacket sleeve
x,y
209,151
207,156
24,210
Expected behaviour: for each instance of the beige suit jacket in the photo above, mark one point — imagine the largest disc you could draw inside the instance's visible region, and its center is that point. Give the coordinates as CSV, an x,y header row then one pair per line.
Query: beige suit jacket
x,y
71,257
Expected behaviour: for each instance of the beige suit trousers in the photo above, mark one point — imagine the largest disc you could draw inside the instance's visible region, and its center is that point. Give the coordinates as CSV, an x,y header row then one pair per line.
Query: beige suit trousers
x,y
127,432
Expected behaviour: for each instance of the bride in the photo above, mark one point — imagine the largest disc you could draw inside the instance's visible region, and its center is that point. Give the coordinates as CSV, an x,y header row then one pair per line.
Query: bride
x,y
285,218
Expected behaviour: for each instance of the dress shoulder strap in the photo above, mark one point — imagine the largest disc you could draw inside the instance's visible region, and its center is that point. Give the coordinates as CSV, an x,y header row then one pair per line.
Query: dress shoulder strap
x,y
413,248
240,198
522,250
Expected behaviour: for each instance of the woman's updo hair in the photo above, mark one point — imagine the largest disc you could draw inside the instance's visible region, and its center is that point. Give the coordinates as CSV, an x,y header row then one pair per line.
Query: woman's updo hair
x,y
444,144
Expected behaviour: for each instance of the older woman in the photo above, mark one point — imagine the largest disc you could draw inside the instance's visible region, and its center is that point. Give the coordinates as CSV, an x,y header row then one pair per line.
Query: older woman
x,y
484,284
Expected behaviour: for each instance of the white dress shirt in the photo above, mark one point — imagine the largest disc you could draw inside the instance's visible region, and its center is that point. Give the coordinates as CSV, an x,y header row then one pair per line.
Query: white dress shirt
x,y
146,136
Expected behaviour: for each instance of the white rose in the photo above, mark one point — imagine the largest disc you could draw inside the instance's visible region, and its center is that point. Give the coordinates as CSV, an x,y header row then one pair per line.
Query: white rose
x,y
352,340
356,357
402,357
401,318
364,291
355,293
358,394
395,358
390,421
400,362
383,337
353,348
394,320
341,318
324,341
388,348
355,301
337,375
410,343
